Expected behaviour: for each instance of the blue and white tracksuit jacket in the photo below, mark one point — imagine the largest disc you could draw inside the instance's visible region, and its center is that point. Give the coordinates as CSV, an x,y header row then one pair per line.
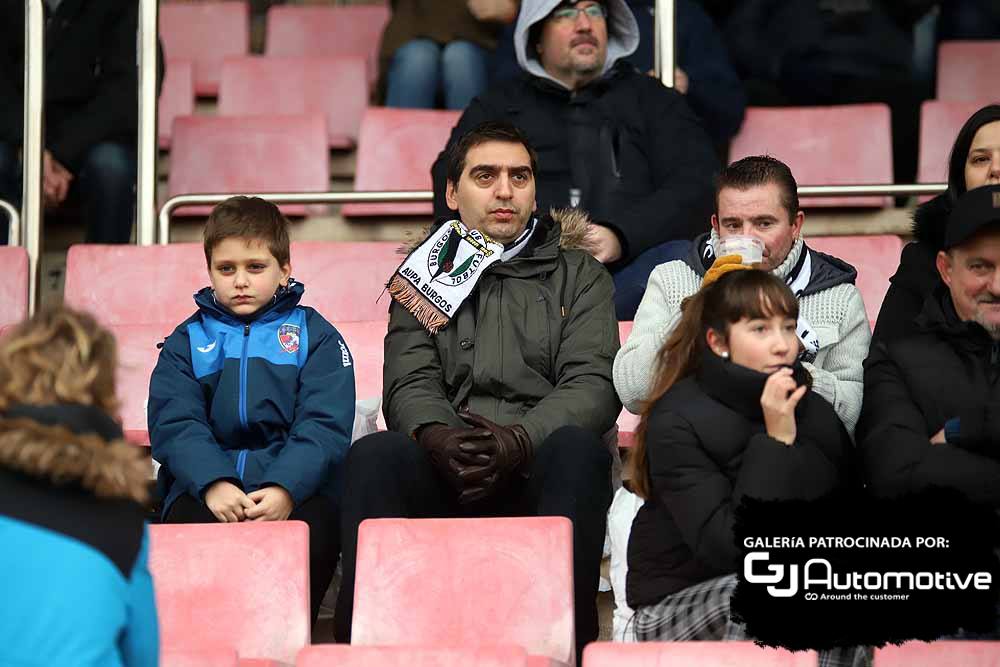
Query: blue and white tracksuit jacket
x,y
258,401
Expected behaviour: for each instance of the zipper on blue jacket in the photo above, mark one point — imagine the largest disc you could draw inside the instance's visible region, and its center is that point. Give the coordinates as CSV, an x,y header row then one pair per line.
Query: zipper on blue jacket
x,y
241,459
241,463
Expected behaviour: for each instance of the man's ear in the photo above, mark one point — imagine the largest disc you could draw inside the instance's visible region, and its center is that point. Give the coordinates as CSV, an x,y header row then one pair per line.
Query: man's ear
x,y
450,196
797,223
944,264
717,343
715,223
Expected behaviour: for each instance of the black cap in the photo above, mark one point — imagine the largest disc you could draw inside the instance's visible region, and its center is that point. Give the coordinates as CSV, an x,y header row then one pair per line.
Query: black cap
x,y
973,211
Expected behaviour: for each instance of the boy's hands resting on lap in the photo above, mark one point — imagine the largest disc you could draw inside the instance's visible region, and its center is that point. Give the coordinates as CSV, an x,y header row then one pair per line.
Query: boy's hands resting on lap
x,y
273,504
227,501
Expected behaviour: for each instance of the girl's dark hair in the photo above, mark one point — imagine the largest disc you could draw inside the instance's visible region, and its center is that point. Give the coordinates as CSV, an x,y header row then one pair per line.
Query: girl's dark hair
x,y
960,149
717,306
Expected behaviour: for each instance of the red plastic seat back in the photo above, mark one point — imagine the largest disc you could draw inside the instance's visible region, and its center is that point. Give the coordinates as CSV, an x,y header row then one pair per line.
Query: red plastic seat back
x,y
220,657
132,285
396,149
341,655
366,342
205,33
675,654
345,281
176,99
940,654
939,126
466,582
14,286
839,145
967,70
249,154
137,356
354,30
875,258
335,87
242,586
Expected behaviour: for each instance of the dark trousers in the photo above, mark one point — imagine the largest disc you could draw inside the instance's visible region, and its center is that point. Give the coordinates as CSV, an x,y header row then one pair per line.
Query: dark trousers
x,y
103,187
323,519
389,475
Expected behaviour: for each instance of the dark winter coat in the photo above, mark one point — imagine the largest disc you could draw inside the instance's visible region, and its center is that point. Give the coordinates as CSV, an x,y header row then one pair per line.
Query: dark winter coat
x,y
76,583
708,448
947,369
639,155
258,401
510,353
917,275
91,79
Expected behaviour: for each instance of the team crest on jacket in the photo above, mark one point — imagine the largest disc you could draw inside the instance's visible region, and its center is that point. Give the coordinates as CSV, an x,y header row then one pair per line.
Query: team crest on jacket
x,y
288,336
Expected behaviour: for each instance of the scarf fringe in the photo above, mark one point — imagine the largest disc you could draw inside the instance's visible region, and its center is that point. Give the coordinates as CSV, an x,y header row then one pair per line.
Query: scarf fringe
x,y
419,306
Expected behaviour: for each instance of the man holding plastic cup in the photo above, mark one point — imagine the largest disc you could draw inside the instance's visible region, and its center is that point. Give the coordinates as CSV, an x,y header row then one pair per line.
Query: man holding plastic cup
x,y
758,223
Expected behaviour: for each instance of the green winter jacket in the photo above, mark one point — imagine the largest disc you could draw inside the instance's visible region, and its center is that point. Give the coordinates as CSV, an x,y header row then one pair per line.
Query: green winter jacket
x,y
533,345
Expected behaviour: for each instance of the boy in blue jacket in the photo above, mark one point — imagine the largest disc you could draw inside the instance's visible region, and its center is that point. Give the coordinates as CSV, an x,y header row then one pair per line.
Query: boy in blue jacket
x,y
251,403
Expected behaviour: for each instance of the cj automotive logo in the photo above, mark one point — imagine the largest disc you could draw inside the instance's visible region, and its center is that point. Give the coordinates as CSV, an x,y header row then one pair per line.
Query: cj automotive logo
x,y
820,581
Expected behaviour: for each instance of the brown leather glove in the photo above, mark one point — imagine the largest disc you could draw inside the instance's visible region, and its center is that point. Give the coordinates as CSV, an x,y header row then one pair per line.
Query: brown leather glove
x,y
723,265
509,450
460,468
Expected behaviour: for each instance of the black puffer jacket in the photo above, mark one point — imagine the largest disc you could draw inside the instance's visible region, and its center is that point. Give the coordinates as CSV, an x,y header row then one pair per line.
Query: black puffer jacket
x,y
707,448
917,274
948,369
640,156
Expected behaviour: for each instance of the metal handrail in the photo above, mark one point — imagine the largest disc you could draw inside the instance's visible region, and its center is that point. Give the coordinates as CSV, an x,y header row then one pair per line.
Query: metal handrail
x,y
34,141
13,223
146,146
399,196
665,51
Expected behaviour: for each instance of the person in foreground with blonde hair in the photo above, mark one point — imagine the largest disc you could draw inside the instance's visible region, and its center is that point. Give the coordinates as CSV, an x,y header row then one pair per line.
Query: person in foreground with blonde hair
x,y
77,589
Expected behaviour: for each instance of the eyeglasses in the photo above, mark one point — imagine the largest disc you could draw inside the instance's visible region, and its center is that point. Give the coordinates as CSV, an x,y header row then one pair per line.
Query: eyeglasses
x,y
593,12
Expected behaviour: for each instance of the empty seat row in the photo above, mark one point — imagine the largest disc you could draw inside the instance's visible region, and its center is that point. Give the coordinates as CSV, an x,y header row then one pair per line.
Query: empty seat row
x,y
508,601
840,145
206,33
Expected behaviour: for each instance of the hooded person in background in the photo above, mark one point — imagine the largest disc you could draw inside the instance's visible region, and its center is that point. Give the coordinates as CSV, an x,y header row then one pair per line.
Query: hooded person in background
x,y
612,141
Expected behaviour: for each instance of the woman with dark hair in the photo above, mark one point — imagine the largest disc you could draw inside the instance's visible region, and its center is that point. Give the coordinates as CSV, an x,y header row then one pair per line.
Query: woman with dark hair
x,y
731,415
974,162
76,586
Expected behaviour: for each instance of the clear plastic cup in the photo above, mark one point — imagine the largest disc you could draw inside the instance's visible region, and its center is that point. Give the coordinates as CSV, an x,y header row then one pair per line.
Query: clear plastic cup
x,y
749,248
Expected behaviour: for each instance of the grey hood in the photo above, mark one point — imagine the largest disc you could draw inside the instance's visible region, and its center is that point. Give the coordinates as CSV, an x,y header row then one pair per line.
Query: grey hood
x,y
623,34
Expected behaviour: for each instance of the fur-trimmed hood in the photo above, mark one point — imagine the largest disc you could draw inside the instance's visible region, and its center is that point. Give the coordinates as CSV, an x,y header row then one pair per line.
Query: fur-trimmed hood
x,y
573,225
930,220
59,456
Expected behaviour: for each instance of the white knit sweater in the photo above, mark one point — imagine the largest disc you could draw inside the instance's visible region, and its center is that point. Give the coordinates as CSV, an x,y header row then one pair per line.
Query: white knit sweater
x,y
837,315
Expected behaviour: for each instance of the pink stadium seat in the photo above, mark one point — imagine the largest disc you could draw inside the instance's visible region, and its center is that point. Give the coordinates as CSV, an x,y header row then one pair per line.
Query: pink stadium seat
x,y
327,31
335,87
341,655
251,154
940,654
176,99
508,581
205,33
939,125
365,340
14,286
967,71
627,422
137,355
875,258
692,654
839,145
219,657
242,586
395,152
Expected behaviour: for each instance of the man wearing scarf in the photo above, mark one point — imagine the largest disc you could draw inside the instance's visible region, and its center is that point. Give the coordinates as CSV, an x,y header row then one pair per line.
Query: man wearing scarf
x,y
497,381
757,196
